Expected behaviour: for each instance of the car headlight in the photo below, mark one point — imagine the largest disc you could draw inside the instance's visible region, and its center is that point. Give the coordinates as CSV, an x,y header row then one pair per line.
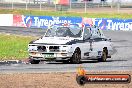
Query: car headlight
x,y
32,48
64,48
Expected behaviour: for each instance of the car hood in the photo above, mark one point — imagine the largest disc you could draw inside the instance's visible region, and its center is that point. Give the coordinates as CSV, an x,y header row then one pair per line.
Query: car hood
x,y
55,40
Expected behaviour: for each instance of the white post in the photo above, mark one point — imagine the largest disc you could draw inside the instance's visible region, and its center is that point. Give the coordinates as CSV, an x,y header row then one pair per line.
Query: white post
x,y
118,6
70,4
29,1
85,6
55,6
40,5
26,4
12,4
112,4
102,2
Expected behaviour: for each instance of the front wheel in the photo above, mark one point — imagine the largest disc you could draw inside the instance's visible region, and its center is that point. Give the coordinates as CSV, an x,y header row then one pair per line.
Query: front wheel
x,y
32,61
76,57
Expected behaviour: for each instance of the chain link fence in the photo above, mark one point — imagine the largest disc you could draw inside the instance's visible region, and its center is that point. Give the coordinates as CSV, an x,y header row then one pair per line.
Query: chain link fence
x,y
84,6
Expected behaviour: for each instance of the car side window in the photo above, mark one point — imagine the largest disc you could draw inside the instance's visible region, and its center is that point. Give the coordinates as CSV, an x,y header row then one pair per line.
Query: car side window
x,y
95,33
99,33
87,33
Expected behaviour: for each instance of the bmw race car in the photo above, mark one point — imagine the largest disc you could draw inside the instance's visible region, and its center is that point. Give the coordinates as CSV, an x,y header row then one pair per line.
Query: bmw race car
x,y
70,43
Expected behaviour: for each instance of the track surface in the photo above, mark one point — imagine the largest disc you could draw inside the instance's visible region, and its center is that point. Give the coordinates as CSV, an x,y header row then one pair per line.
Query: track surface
x,y
121,60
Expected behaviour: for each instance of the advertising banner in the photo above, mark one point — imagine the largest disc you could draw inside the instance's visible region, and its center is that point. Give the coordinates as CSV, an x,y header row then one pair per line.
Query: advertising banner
x,y
6,19
114,24
18,21
42,21
46,21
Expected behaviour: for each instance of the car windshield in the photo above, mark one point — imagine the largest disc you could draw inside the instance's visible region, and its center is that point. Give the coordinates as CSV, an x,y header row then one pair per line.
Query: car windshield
x,y
64,31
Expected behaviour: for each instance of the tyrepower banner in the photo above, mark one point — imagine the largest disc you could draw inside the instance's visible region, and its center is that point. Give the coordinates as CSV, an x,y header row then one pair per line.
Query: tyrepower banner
x,y
45,21
19,21
42,21
114,24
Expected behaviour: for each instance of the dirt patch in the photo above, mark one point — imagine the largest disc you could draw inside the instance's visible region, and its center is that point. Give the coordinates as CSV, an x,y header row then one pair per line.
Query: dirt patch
x,y
52,80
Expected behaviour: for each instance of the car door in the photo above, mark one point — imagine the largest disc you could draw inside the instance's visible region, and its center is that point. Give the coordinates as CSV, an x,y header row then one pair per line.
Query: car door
x,y
97,40
86,43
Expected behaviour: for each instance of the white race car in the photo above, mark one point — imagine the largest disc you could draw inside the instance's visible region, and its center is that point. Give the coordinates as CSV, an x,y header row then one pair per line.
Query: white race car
x,y
70,43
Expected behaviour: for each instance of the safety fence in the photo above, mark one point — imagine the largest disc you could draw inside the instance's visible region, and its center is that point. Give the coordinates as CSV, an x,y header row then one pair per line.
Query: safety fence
x,y
123,6
46,21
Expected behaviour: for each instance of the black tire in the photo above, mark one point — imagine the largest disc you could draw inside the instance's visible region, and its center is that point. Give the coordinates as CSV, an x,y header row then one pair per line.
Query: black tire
x,y
32,61
76,57
104,56
81,80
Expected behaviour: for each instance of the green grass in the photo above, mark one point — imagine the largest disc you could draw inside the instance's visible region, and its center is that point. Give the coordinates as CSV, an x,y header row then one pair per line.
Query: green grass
x,y
14,46
60,13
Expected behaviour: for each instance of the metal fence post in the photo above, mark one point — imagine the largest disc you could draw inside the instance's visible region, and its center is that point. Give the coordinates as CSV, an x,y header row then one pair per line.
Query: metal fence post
x,y
112,4
34,1
85,6
102,3
40,5
118,6
26,4
70,4
55,6
12,4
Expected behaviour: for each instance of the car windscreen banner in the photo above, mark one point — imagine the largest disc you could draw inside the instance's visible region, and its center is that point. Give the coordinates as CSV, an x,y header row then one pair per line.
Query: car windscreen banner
x,y
46,21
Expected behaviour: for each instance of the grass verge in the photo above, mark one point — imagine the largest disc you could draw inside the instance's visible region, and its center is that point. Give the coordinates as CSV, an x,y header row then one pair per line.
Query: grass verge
x,y
60,13
14,46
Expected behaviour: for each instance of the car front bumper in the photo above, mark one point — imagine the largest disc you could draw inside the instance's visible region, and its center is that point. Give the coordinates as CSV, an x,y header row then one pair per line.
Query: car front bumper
x,y
50,56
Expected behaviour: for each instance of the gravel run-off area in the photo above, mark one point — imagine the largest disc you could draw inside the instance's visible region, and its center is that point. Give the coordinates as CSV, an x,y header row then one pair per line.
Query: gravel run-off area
x,y
54,80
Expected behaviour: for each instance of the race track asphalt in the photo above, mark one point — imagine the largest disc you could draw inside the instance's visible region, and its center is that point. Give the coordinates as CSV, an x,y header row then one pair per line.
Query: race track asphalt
x,y
121,59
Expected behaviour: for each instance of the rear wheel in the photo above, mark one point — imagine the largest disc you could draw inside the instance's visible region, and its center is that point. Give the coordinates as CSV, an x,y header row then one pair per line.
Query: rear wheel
x,y
32,61
76,57
104,56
